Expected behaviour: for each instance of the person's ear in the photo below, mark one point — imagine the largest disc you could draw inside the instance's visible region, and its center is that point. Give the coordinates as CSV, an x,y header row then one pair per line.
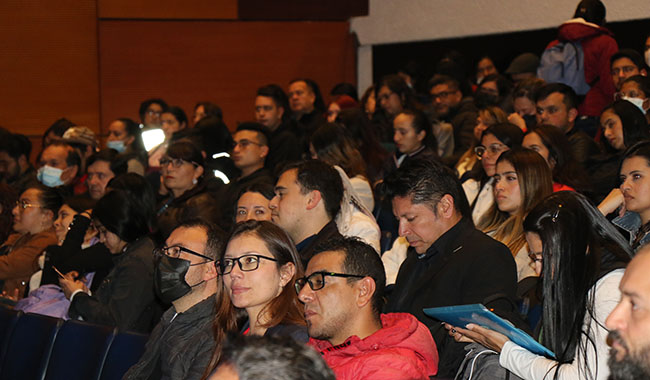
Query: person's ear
x,y
287,271
445,206
129,140
281,112
573,114
366,288
22,161
47,215
264,151
198,172
210,272
314,199
421,135
70,173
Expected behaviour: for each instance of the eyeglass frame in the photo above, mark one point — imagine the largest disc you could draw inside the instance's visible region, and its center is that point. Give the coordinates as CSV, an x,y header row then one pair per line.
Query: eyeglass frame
x,y
164,250
25,205
301,282
220,265
244,143
165,161
480,150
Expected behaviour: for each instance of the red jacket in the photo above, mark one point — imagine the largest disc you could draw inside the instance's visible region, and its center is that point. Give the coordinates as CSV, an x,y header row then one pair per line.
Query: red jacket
x,y
402,349
598,46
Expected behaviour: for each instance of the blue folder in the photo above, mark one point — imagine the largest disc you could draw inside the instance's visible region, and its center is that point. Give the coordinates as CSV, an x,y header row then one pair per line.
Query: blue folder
x,y
462,315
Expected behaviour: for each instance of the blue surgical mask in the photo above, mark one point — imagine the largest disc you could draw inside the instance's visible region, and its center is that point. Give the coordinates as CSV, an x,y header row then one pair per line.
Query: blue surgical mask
x,y
637,102
50,176
118,145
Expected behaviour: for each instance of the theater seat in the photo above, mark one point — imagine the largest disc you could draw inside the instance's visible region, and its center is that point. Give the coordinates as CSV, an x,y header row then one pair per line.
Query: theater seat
x,y
29,347
79,351
125,351
8,319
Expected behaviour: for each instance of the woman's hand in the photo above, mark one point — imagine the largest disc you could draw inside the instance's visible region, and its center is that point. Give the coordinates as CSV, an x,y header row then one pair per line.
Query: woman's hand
x,y
517,120
475,333
613,201
70,285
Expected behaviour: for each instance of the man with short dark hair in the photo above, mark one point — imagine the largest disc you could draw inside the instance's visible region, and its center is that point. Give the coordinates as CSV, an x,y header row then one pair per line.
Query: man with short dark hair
x,y
451,107
181,345
343,292
272,110
307,199
629,323
203,109
557,105
307,108
102,167
60,164
449,262
15,168
626,63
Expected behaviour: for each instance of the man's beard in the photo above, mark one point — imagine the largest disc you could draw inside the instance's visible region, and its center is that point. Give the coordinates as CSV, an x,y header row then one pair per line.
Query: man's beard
x,y
631,366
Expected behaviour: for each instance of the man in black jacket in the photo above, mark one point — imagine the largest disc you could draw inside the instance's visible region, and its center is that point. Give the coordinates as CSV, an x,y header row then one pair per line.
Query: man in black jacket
x,y
181,345
449,262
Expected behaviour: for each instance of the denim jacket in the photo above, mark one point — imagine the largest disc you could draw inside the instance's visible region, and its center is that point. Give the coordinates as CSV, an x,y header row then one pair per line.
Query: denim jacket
x,y
631,222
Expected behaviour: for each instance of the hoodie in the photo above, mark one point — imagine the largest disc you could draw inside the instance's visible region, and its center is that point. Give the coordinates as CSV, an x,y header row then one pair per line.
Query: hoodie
x,y
402,349
598,46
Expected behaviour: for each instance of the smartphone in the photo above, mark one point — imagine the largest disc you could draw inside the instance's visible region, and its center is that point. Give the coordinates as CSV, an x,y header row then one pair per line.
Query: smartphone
x,y
58,272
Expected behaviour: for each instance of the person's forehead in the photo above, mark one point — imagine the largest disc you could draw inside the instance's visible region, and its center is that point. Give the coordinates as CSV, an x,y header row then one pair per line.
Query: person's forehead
x,y
404,205
288,178
252,199
623,62
154,107
100,166
188,237
442,87
30,194
261,100
329,261
299,85
246,135
54,152
403,120
636,279
554,99
631,85
117,126
4,156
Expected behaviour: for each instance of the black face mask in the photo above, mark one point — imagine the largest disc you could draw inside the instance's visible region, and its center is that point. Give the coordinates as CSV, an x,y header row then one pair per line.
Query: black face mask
x,y
169,278
531,121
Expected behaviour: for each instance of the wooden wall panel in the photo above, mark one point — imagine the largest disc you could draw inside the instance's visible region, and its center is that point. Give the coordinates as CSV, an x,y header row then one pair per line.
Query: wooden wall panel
x,y
168,9
340,10
49,64
224,62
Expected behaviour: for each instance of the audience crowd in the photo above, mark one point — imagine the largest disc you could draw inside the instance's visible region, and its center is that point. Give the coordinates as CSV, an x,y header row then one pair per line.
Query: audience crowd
x,y
307,243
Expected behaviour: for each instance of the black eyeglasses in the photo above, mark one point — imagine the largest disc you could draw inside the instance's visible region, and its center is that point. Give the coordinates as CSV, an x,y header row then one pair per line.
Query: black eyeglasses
x,y
176,162
316,280
243,144
175,252
247,263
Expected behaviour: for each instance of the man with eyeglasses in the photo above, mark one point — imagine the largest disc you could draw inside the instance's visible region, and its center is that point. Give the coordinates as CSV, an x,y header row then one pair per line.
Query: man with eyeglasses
x,y
343,296
450,107
181,345
150,111
624,64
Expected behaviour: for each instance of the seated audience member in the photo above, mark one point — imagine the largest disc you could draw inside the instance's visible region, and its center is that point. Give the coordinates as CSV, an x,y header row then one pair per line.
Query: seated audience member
x,y
307,108
494,90
557,106
259,266
449,262
253,202
521,180
554,147
55,131
8,198
628,335
150,112
215,141
345,88
368,103
479,184
203,109
632,196
331,144
487,117
623,124
270,358
581,258
125,298
413,139
183,176
624,64
451,107
76,251
341,102
636,89
83,139
484,67
307,199
248,153
393,96
15,168
124,137
101,168
34,215
173,123
523,67
342,294
272,110
181,343
366,141
61,165
523,102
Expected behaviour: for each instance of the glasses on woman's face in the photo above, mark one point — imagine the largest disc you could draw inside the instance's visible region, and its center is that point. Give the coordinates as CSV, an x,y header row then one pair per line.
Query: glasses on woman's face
x,y
176,162
23,204
316,280
493,149
247,263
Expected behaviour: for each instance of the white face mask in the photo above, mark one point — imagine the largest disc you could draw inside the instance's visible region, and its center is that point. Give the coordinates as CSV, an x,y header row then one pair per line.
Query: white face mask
x,y
637,102
50,176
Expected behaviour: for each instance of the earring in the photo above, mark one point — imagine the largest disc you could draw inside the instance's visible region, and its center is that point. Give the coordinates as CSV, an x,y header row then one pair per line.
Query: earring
x,y
195,181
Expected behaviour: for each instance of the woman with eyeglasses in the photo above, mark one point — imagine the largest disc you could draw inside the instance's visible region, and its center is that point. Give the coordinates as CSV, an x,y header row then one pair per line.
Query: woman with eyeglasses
x,y
34,215
487,117
521,180
479,186
582,259
125,298
258,268
182,176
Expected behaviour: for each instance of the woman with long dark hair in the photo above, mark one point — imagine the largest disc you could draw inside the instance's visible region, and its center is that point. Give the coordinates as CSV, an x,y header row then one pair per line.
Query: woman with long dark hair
x,y
582,258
